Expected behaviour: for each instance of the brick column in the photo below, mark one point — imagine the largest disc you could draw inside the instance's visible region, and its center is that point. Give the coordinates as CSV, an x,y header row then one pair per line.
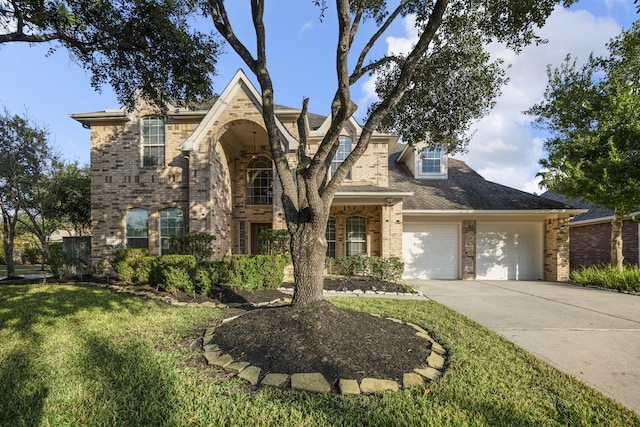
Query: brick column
x,y
468,250
556,250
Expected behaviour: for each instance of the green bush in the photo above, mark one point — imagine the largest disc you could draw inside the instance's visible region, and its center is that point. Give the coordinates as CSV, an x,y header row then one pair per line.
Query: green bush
x,y
175,273
200,245
209,274
608,277
389,269
31,255
254,271
128,261
56,259
273,242
353,265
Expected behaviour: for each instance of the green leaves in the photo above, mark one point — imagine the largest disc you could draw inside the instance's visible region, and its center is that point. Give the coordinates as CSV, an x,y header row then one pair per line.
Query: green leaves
x,y
593,115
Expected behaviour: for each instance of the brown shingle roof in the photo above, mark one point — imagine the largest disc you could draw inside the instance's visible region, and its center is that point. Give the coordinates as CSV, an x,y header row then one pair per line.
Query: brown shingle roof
x,y
464,189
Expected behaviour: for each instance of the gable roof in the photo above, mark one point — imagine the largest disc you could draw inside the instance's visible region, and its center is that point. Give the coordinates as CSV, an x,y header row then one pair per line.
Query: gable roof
x,y
464,190
238,81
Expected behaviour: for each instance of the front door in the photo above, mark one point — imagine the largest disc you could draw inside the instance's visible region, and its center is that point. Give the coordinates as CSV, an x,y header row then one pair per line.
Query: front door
x,y
256,228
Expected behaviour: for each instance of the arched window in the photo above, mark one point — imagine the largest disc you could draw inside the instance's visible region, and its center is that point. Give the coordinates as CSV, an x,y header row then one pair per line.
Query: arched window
x,y
137,228
171,224
356,228
330,235
152,141
259,181
344,149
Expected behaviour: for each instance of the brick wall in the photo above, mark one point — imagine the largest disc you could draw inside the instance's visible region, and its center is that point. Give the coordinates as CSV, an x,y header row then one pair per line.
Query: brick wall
x,y
591,244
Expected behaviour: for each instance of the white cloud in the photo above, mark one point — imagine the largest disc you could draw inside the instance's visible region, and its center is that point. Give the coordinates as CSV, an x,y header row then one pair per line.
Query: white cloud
x,y
307,26
504,147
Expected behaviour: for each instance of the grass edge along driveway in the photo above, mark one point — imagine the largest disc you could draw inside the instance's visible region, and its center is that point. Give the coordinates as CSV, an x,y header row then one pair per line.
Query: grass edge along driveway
x,y
75,355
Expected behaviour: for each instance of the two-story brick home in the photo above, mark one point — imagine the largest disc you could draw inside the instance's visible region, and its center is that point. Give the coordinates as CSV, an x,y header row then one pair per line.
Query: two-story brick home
x,y
208,169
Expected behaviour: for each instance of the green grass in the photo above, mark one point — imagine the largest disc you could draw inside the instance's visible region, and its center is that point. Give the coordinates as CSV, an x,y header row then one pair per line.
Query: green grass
x,y
86,356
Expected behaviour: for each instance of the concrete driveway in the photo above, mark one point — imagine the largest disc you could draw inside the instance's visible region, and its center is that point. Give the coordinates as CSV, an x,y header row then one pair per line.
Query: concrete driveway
x,y
591,334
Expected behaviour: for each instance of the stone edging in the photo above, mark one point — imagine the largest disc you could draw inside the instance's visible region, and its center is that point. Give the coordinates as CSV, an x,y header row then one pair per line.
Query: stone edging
x,y
359,292
315,382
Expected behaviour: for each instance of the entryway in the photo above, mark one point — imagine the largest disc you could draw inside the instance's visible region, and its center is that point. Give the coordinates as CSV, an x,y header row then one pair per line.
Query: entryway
x,y
256,228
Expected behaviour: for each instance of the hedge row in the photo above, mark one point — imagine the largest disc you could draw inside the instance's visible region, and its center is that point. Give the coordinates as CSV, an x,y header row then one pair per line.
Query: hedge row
x,y
389,269
184,273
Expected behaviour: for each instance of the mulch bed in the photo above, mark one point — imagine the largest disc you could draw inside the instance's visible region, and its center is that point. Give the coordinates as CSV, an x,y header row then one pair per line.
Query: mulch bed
x,y
320,338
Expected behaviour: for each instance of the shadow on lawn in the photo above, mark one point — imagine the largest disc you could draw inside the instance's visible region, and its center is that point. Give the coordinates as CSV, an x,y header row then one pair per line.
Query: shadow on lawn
x,y
23,388
129,386
23,306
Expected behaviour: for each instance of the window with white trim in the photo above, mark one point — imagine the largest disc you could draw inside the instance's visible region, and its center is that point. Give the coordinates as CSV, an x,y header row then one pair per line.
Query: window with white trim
x,y
431,163
152,141
344,149
137,228
330,236
356,232
171,224
260,181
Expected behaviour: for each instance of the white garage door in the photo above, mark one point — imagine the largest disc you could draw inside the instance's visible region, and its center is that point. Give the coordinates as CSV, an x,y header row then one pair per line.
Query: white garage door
x,y
509,251
430,251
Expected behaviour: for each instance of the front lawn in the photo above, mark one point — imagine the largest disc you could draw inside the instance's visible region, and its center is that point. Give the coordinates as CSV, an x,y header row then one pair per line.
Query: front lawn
x,y
73,355
22,269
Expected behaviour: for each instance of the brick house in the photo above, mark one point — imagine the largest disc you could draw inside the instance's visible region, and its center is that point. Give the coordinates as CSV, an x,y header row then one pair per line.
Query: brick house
x,y
208,169
590,234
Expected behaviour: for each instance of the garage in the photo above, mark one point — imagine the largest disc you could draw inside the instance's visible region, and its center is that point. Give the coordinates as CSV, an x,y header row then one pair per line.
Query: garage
x,y
509,251
430,251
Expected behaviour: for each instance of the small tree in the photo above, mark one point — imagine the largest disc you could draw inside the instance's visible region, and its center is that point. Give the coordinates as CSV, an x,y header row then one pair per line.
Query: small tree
x,y
68,197
593,114
25,160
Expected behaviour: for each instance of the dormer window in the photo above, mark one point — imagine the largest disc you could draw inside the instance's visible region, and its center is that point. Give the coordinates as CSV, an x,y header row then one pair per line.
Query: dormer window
x,y
152,141
431,163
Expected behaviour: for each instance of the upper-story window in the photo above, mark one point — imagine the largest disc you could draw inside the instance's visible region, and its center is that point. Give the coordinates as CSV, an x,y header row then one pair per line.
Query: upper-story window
x,y
260,181
152,141
344,149
431,163
171,224
137,228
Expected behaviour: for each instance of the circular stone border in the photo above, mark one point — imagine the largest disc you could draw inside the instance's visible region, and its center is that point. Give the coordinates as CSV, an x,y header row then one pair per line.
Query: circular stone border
x,y
432,369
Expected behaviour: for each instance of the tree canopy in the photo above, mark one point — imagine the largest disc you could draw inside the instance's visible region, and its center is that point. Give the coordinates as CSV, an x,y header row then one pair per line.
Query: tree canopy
x,y
593,115
146,46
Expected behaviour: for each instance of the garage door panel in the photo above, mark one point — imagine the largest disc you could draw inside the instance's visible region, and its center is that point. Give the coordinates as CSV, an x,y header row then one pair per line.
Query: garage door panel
x,y
509,251
430,251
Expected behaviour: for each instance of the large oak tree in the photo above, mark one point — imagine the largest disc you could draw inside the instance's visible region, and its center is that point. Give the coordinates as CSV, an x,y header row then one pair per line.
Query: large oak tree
x,y
593,115
430,93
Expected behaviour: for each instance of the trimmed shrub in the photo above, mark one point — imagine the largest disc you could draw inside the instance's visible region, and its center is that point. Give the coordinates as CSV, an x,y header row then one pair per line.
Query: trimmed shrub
x,y
175,273
126,261
353,265
200,245
209,274
389,269
31,255
254,271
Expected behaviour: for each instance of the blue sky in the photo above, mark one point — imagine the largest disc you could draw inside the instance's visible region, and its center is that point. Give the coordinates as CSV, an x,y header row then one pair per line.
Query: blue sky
x,y
504,149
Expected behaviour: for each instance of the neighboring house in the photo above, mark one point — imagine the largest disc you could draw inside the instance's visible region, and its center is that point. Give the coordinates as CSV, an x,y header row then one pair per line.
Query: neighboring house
x,y
590,234
208,169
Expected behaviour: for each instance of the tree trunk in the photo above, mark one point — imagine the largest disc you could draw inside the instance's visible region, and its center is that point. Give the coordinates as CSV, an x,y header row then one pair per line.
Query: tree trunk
x,y
8,234
308,250
616,241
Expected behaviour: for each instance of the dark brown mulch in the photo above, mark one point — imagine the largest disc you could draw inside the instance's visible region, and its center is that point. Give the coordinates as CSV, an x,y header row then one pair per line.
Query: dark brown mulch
x,y
323,338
